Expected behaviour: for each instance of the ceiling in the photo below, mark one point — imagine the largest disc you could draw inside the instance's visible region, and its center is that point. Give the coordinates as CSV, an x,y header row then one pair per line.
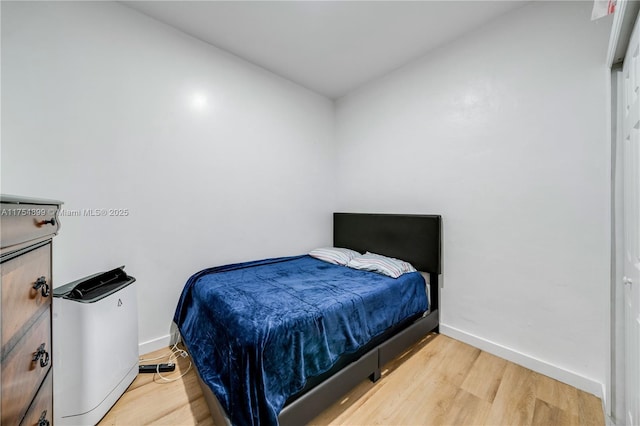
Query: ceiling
x,y
330,47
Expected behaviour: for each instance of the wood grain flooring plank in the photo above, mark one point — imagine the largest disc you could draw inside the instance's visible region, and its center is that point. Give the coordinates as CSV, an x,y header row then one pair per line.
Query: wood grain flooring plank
x,y
590,409
425,403
485,376
557,393
515,400
152,401
467,409
546,414
191,414
453,360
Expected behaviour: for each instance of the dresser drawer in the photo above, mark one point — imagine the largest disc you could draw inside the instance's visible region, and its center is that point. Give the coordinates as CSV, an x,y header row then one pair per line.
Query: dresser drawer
x,y
20,223
21,375
21,304
41,410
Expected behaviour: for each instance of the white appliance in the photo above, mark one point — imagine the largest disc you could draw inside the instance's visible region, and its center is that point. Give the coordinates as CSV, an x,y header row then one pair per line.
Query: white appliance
x,y
95,345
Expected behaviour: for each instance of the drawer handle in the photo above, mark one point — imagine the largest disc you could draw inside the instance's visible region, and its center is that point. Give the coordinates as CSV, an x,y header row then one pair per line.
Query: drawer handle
x,y
51,221
41,284
42,356
43,419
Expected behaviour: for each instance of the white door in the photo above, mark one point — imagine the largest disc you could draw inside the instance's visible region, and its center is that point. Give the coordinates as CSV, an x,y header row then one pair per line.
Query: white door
x,y
631,214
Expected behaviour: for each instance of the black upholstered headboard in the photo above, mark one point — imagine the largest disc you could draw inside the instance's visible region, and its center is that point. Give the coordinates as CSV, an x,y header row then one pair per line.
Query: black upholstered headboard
x,y
416,239
413,238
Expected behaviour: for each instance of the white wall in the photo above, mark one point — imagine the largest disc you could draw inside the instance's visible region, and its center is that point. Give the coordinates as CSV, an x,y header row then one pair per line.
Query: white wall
x,y
503,132
97,111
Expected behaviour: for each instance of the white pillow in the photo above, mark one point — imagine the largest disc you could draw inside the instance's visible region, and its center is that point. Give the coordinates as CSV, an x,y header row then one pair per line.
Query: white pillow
x,y
381,264
335,255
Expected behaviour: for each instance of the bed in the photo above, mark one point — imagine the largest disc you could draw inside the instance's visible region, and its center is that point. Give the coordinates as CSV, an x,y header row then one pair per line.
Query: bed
x,y
277,341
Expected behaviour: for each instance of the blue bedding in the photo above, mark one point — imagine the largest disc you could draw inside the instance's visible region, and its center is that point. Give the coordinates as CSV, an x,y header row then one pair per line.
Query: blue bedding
x,y
258,330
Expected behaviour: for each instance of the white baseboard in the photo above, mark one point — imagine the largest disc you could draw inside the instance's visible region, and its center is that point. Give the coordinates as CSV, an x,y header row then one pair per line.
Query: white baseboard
x,y
565,376
154,344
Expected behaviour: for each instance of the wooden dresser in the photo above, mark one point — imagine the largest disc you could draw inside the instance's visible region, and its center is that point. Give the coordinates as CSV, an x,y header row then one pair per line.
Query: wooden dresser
x,y
27,227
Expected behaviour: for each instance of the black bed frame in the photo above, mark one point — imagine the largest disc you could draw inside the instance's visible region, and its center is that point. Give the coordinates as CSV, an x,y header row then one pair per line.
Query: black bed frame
x,y
416,239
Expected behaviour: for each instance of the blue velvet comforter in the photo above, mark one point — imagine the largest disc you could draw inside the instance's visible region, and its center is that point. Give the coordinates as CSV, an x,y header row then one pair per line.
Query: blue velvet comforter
x,y
258,330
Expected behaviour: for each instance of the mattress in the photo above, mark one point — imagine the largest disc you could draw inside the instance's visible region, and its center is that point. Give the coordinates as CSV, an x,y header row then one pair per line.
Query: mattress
x,y
259,331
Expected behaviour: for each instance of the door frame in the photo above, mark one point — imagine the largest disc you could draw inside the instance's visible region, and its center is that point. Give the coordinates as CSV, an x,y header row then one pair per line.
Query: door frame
x,y
623,23
615,386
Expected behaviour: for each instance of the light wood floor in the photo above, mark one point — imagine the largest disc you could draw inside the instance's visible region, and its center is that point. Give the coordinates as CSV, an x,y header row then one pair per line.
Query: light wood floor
x,y
440,381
